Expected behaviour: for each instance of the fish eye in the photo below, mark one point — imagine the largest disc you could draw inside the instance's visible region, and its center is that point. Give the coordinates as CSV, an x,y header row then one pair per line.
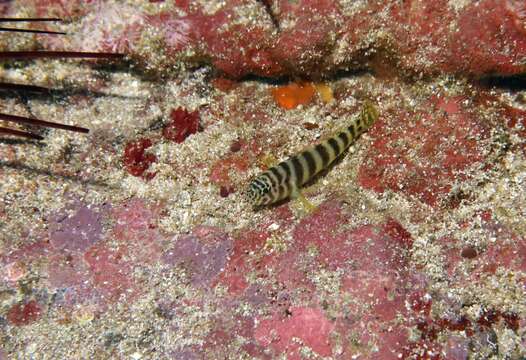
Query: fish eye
x,y
252,193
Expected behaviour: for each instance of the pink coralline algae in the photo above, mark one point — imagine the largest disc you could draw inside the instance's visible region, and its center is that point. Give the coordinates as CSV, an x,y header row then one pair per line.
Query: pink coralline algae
x,y
176,31
375,291
430,327
182,124
374,268
241,49
66,271
97,277
491,38
373,259
368,273
505,249
223,168
226,328
88,269
305,327
246,242
134,216
14,271
314,37
234,274
479,38
448,141
366,247
60,8
203,254
111,274
136,232
397,232
114,28
77,232
73,232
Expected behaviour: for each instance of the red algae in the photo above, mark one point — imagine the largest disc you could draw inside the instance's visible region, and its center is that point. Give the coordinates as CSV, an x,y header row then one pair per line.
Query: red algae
x,y
224,46
515,120
430,328
136,160
14,271
420,303
24,314
182,124
504,255
29,252
417,36
375,339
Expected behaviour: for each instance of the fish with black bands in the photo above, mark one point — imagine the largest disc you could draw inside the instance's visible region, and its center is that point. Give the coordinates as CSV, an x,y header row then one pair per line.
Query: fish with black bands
x,y
285,179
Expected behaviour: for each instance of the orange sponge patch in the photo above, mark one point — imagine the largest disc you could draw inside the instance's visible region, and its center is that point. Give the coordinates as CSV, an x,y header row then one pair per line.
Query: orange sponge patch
x,y
291,96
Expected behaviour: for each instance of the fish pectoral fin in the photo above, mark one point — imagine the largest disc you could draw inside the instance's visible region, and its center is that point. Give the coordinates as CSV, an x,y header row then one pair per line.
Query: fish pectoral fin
x,y
369,113
307,206
269,160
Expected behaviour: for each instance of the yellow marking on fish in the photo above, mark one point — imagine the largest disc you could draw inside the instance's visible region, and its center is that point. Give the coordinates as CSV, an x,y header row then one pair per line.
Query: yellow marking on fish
x,y
285,179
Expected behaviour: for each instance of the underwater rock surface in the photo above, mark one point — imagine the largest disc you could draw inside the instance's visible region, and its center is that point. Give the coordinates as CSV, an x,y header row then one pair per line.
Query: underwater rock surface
x,y
136,240
308,38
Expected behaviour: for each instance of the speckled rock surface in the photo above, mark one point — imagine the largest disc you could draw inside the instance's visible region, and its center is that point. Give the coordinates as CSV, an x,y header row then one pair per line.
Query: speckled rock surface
x,y
310,38
135,241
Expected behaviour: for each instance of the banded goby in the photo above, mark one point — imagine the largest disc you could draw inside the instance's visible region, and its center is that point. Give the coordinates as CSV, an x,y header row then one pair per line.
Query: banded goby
x,y
284,180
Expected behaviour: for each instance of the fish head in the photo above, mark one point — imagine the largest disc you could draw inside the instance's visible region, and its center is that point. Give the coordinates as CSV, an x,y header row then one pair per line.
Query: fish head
x,y
259,191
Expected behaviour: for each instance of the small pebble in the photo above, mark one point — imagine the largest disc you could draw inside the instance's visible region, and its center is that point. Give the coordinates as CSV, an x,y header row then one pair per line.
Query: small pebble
x,y
224,191
468,252
235,146
310,126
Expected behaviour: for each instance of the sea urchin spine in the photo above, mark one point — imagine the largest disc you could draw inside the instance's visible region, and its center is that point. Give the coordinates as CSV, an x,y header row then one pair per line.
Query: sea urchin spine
x,y
31,88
